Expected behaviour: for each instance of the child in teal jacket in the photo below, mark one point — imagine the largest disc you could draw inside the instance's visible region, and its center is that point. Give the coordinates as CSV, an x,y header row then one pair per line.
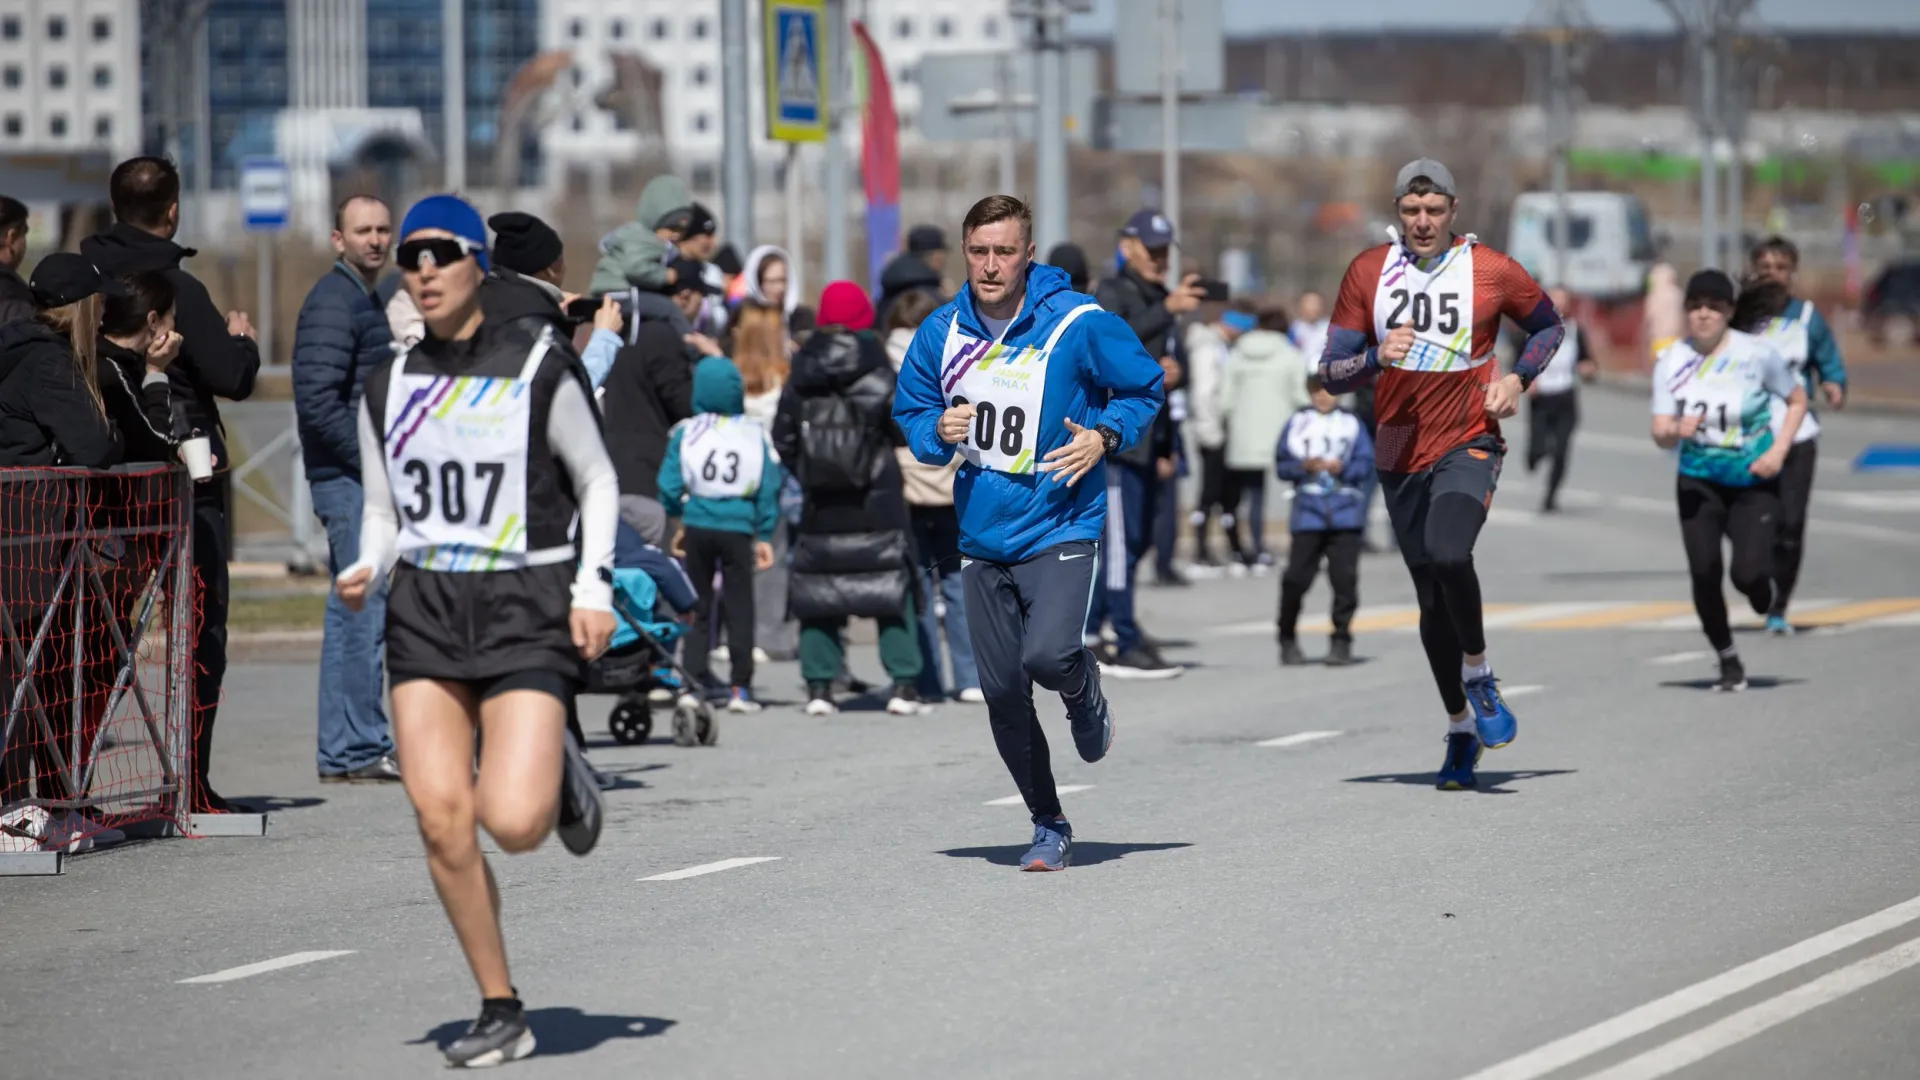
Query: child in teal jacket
x,y
720,483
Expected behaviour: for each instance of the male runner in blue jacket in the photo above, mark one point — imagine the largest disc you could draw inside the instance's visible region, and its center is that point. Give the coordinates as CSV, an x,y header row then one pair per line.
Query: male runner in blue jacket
x,y
1034,386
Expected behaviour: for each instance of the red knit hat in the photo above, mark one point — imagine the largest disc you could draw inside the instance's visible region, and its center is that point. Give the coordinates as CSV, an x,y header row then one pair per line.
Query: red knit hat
x,y
842,303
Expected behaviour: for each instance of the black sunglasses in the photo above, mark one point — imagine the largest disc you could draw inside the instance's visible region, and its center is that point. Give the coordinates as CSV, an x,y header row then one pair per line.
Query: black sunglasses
x,y
438,250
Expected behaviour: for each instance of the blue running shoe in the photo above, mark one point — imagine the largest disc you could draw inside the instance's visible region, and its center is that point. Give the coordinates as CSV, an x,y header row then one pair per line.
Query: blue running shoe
x,y
1052,846
1491,717
1091,719
1463,753
1778,626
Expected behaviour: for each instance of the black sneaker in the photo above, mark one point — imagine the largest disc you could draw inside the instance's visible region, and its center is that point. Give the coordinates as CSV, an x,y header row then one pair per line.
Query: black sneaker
x,y
1090,718
1339,652
1733,675
580,809
1143,661
500,1035
1290,654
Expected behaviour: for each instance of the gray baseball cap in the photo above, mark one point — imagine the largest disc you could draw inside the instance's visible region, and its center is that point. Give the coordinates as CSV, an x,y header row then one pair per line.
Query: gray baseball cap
x,y
1440,175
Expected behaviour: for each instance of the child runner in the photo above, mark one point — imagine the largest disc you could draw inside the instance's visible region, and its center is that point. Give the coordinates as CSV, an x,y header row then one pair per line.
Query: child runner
x,y
1325,451
721,478
492,453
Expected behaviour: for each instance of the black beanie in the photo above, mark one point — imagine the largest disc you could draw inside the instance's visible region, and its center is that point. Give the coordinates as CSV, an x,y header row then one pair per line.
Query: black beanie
x,y
523,243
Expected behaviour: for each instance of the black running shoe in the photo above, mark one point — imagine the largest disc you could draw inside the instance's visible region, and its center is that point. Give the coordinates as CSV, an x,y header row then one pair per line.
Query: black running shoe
x,y
499,1036
1290,654
580,808
1340,652
1733,675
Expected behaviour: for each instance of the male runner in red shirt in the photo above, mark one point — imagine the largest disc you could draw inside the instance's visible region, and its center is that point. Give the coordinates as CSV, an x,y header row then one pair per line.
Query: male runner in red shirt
x,y
1420,315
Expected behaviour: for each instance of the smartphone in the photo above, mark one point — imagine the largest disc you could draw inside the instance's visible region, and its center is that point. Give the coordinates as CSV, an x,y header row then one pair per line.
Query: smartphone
x,y
582,308
1211,289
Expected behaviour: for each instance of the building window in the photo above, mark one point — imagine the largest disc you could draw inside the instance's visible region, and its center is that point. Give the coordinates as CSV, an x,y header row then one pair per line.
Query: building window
x,y
10,28
990,28
103,127
576,29
57,28
659,30
273,33
617,29
13,125
943,28
102,76
11,77
700,122
908,75
699,29
903,29
227,34
698,75
102,28
57,125
57,77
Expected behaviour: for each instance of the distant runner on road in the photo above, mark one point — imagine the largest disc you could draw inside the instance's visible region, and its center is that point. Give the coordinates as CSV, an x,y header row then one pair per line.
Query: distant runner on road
x,y
1417,318
1034,386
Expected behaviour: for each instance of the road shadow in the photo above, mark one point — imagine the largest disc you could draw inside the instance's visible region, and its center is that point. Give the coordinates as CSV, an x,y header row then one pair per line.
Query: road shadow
x,y
1754,682
272,804
1085,852
1491,781
562,1030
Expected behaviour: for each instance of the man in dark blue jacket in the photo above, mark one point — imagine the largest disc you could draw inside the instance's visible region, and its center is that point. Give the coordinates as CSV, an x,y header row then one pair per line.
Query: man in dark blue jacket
x,y
342,335
1033,386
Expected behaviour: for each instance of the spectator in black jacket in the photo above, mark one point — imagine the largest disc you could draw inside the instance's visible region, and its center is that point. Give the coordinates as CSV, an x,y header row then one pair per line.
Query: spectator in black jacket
x,y
341,336
523,286
16,300
1135,489
218,358
50,414
650,389
920,268
137,342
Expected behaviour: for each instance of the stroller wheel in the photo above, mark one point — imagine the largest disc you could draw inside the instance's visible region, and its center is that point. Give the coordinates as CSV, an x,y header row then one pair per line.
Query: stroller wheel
x,y
708,726
630,722
686,721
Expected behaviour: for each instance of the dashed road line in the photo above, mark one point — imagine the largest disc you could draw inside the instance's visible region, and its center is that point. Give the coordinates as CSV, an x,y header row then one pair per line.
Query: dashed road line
x,y
247,971
1687,657
1299,737
1521,690
1017,800
711,868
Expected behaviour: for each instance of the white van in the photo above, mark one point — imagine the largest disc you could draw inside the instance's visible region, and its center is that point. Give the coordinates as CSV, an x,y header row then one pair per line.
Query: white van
x,y
1610,246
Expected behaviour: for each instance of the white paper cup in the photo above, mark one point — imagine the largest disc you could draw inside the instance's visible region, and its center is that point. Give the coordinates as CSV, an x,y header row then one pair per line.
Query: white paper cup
x,y
197,453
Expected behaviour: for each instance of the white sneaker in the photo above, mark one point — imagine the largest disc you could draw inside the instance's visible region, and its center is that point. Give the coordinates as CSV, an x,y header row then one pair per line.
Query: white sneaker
x,y
721,655
760,656
901,706
973,695
1200,572
1261,569
1236,570
822,707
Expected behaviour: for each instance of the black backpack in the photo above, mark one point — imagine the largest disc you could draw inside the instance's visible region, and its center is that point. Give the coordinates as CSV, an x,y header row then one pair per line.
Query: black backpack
x,y
839,450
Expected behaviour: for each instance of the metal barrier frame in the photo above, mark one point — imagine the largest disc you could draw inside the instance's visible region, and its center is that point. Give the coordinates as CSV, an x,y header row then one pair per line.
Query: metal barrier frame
x,y
80,582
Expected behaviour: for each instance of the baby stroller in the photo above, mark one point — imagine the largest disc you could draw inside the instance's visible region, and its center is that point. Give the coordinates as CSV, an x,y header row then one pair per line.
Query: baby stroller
x,y
640,657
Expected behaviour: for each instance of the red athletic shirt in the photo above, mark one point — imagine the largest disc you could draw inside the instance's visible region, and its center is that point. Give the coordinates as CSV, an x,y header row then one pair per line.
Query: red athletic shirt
x,y
1420,415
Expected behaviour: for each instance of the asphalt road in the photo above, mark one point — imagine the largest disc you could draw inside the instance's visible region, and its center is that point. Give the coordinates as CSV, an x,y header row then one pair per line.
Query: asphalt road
x,y
1654,880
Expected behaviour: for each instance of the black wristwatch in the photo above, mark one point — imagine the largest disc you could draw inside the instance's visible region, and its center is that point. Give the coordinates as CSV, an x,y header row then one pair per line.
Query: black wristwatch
x,y
1109,437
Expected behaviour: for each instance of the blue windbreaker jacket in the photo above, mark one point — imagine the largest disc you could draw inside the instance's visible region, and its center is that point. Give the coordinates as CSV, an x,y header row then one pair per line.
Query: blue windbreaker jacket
x,y
1098,374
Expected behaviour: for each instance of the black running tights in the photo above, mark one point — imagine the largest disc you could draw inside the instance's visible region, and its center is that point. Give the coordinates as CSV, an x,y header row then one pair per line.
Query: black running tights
x,y
1796,488
1746,517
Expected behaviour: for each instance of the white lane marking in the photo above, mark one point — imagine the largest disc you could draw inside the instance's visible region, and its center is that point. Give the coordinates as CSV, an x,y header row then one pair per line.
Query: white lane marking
x,y
1770,1013
1687,657
1521,690
710,868
1884,501
1638,1021
1299,737
246,971
1016,800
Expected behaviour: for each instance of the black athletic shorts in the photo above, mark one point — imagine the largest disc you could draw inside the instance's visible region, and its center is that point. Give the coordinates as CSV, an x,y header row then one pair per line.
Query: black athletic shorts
x,y
544,680
1472,470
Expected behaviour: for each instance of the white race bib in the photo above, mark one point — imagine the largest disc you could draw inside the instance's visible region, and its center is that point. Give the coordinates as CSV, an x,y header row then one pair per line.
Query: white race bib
x,y
1717,394
1323,435
721,456
1791,339
1006,386
1437,304
456,450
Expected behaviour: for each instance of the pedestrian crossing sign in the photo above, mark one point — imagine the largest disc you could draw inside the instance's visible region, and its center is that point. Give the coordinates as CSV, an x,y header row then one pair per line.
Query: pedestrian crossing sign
x,y
794,42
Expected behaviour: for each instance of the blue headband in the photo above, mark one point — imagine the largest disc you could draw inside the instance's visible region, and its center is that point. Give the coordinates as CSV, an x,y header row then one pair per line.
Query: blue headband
x,y
452,214
1240,321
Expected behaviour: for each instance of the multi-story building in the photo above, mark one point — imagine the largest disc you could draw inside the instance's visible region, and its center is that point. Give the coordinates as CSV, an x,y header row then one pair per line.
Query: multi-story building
x,y
69,77
680,39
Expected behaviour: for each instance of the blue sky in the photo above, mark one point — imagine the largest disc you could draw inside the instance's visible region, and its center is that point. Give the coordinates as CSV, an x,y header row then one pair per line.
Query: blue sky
x,y
1244,17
